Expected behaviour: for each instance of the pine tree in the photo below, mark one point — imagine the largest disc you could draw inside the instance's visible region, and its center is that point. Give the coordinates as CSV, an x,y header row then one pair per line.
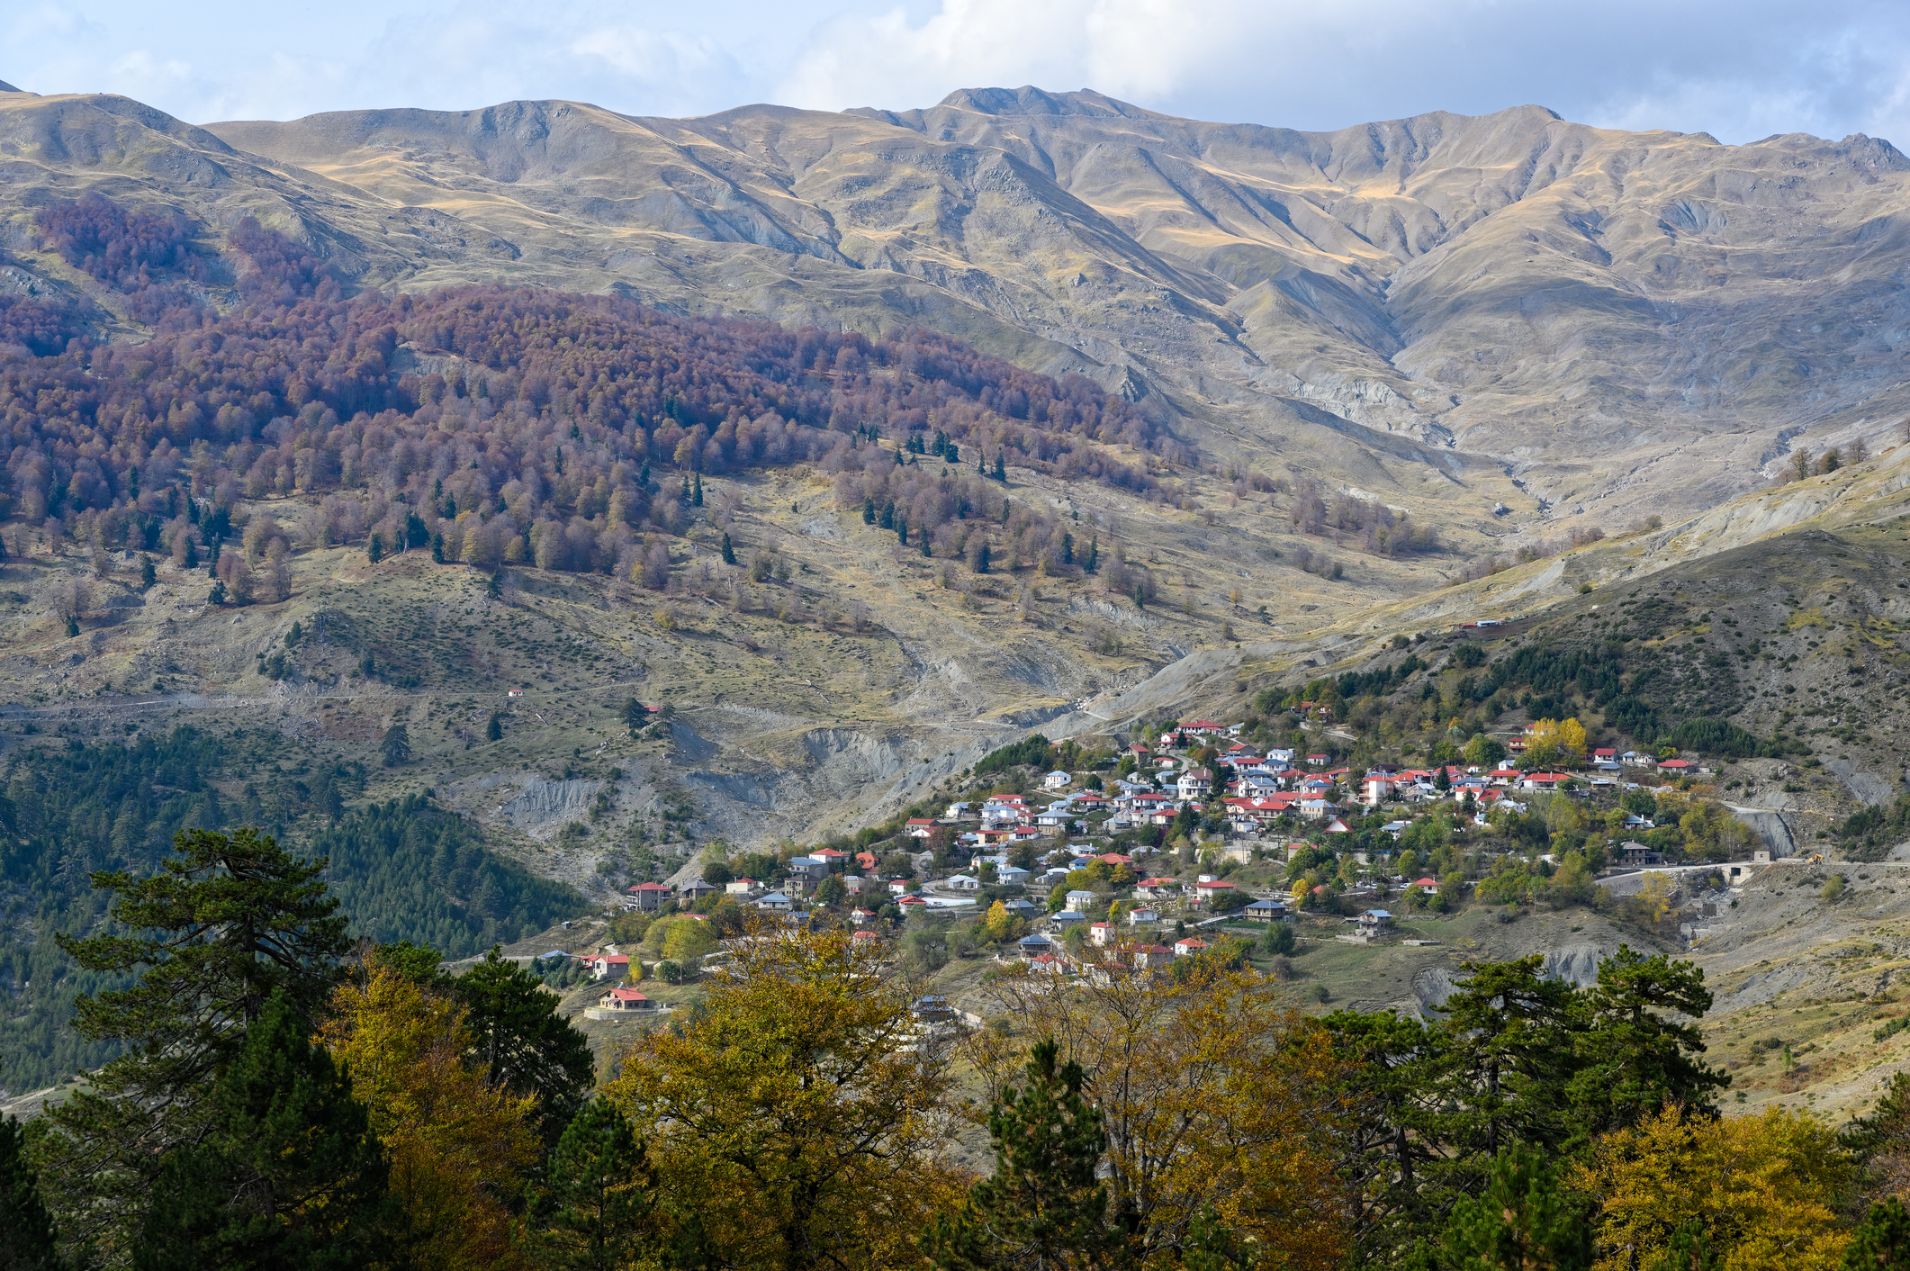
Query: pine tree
x,y
1640,1049
290,1175
1882,1240
1044,1207
525,1046
1523,1217
494,728
981,560
1093,560
148,573
729,549
597,1211
395,746
231,922
375,549
696,491
635,717
1001,467
26,1230
1067,548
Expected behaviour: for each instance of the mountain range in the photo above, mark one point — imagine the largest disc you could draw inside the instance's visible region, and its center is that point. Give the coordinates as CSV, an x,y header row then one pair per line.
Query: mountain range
x,y
1515,329
1442,312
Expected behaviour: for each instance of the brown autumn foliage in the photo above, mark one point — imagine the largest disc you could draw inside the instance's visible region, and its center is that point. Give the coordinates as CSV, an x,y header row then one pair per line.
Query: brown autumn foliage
x,y
1211,1096
501,422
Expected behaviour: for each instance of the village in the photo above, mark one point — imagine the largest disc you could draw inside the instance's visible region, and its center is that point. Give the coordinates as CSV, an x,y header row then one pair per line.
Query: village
x,y
1191,842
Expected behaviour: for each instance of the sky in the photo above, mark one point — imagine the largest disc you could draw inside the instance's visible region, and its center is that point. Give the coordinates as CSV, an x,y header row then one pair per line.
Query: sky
x,y
1739,70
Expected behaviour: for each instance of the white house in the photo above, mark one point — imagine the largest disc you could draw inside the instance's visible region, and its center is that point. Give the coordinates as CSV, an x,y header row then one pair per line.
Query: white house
x,y
1056,780
962,882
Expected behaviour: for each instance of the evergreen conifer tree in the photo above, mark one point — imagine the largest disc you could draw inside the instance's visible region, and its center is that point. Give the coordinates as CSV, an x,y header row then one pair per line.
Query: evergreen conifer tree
x,y
597,1211
290,1175
1045,1207
26,1231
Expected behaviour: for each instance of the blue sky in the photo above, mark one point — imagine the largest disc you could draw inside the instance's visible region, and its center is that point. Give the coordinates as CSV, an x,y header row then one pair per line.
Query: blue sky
x,y
1738,70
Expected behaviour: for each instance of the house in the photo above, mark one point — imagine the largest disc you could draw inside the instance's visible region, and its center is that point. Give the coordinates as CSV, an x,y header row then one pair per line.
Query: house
x,y
1011,875
962,882
1207,888
1678,767
1634,853
1079,899
1374,922
742,887
1101,934
932,1008
1194,784
1019,908
1377,788
919,827
861,917
1335,825
775,902
1428,885
608,966
1056,780
1147,956
1142,917
1636,759
1066,918
912,904
1157,888
955,811
1189,946
649,897
898,887
696,889
626,1000
1266,910
1031,946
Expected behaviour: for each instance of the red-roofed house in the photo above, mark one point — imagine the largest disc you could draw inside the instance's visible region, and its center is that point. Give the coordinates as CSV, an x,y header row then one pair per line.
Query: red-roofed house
x,y
650,896
920,827
1208,888
608,966
625,1000
1189,946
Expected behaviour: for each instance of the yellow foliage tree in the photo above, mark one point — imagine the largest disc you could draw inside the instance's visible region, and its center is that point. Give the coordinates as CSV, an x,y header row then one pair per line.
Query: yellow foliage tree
x,y
459,1149
1552,742
1212,1098
794,1117
1758,1193
1000,924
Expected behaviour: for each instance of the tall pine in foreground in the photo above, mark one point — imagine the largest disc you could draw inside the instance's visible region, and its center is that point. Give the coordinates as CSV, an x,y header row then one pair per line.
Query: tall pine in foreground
x,y
1044,1208
232,922
521,1041
290,1174
26,1231
1522,1219
598,1210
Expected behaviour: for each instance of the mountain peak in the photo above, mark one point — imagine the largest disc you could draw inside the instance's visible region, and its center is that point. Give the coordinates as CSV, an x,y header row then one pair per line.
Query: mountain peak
x,y
7,88
1029,100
